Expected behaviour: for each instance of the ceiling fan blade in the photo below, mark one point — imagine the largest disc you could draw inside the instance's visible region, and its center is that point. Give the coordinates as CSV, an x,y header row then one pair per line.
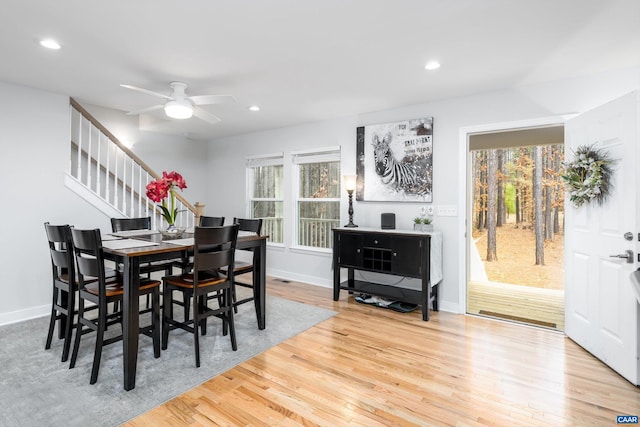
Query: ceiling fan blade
x,y
205,115
211,99
145,110
148,92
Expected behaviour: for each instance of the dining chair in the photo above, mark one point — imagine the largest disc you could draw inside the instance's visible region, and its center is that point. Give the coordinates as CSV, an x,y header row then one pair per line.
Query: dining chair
x,y
125,224
97,288
65,286
242,267
141,223
211,221
186,264
214,249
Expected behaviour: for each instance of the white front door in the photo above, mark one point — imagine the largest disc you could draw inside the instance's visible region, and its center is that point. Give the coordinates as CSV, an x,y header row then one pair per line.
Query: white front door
x,y
601,312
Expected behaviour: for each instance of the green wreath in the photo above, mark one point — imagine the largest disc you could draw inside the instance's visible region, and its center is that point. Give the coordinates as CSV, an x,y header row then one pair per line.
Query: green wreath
x,y
588,175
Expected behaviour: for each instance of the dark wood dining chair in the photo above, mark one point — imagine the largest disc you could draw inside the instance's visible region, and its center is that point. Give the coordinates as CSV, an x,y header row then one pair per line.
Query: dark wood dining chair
x,y
65,286
126,224
242,267
142,223
186,264
211,221
214,249
97,288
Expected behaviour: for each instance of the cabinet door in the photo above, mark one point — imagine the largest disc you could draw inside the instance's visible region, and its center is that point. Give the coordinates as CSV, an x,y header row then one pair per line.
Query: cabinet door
x,y
350,249
407,255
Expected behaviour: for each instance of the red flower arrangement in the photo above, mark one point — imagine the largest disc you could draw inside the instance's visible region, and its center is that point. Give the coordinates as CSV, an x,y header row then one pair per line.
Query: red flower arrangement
x,y
160,189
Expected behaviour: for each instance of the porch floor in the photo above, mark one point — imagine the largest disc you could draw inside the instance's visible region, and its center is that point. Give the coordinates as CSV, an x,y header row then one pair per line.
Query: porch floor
x,y
527,304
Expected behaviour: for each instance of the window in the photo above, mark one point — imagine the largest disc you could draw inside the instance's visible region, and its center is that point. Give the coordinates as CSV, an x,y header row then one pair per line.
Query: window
x,y
317,196
265,176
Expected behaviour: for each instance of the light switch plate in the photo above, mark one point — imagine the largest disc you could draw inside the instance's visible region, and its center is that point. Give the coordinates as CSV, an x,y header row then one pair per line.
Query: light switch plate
x,y
447,210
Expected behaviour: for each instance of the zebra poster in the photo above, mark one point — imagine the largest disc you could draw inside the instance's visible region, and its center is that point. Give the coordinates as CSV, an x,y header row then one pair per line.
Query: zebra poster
x,y
395,161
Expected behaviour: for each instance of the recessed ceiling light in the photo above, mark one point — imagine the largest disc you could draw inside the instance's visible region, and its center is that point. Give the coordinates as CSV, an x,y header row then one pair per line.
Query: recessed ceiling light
x,y
432,65
254,108
50,44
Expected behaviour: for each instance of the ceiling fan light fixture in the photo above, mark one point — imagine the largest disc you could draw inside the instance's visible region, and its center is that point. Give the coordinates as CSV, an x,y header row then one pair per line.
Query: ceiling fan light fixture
x,y
432,65
50,44
178,110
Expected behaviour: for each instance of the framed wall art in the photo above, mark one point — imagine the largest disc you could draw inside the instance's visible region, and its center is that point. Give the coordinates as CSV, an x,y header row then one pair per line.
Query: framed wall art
x,y
394,161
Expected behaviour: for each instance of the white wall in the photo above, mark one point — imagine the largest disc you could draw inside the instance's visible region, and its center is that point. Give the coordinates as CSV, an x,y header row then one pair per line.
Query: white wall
x,y
227,158
34,135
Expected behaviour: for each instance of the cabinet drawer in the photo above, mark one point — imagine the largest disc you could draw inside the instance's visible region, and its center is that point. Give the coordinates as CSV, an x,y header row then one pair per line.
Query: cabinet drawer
x,y
377,241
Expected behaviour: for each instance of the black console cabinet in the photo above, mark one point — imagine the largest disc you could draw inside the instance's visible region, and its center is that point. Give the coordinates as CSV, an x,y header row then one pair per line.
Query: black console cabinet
x,y
384,251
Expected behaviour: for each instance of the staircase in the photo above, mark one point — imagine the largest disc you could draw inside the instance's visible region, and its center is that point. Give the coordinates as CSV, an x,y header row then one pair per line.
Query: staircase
x,y
112,178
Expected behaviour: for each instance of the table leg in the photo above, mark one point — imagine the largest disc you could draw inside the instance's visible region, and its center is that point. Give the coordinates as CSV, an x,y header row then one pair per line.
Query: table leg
x,y
131,320
336,281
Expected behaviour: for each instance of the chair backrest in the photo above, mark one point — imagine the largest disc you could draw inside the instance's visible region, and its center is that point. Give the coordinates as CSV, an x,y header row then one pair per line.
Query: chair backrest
x,y
214,248
125,224
211,221
246,224
61,249
89,257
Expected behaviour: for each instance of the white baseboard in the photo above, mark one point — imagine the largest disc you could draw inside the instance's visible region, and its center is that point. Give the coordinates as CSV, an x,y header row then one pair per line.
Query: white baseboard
x,y
317,281
449,307
21,315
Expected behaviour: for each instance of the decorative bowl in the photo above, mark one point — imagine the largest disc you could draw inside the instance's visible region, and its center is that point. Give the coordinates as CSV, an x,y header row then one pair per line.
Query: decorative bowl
x,y
172,233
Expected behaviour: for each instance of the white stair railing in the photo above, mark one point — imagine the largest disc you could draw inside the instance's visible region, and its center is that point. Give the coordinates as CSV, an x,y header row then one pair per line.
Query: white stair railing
x,y
100,163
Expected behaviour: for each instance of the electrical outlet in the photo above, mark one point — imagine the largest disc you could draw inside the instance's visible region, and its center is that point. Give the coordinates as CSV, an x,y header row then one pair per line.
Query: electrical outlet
x,y
447,210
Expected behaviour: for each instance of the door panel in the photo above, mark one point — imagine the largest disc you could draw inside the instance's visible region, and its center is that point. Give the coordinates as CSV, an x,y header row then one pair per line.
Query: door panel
x,y
601,313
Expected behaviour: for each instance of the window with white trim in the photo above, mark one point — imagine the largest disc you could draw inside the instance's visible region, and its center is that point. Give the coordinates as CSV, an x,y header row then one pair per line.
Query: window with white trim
x,y
266,193
317,196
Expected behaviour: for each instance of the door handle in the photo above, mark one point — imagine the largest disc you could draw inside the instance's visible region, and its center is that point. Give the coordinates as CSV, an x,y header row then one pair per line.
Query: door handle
x,y
628,255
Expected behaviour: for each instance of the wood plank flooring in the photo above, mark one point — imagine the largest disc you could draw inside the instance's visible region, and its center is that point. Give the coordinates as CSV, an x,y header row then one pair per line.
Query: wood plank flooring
x,y
537,305
369,366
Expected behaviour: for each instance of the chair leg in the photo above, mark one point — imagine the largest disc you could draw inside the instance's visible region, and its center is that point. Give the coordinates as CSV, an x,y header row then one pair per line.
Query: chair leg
x,y
197,302
186,301
202,304
167,303
52,324
68,328
232,328
233,297
76,344
224,299
155,322
97,355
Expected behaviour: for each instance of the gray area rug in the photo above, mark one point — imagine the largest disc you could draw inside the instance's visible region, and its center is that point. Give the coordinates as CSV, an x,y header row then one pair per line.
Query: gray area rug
x,y
36,389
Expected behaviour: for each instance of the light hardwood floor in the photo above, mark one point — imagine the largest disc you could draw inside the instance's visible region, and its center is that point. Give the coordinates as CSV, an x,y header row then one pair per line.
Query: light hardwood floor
x,y
369,366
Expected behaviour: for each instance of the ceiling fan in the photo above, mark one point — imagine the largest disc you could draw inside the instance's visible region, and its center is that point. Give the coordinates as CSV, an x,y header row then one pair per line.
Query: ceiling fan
x,y
181,106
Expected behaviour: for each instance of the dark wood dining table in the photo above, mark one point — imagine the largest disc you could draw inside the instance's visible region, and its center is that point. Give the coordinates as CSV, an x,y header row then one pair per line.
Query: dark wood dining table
x,y
132,257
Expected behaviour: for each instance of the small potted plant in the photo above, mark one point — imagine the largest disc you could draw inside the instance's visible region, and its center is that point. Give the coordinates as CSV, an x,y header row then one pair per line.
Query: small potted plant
x,y
422,224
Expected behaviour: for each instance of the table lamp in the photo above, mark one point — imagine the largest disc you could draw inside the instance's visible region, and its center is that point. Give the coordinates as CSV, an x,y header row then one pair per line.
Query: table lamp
x,y
350,185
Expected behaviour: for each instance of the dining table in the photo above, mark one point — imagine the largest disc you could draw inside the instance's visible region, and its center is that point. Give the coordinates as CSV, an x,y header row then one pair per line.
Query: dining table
x,y
133,248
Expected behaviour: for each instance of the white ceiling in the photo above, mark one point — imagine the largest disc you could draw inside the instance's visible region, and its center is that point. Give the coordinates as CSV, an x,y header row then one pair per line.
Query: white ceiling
x,y
303,61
